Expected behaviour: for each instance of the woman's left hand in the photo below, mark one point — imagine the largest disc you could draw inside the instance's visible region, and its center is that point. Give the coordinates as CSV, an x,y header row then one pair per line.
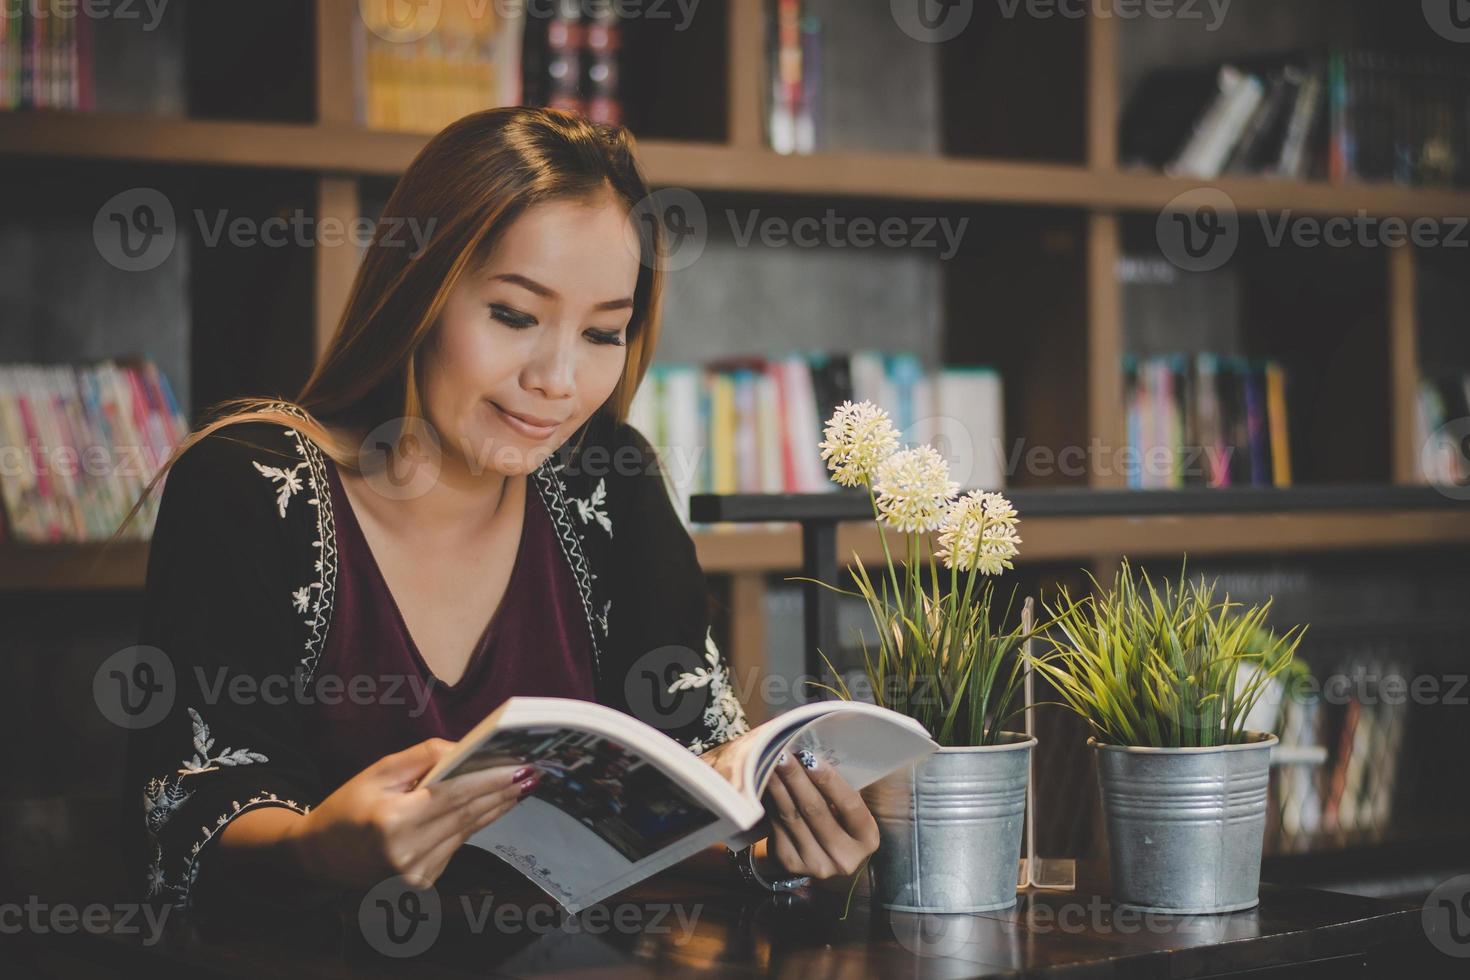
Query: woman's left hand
x,y
820,826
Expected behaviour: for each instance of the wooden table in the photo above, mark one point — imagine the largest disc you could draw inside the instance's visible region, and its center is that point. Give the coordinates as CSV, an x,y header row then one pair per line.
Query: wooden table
x,y
693,922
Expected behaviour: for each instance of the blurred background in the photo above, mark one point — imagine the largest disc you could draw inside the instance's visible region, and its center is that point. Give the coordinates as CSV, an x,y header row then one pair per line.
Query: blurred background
x,y
1213,253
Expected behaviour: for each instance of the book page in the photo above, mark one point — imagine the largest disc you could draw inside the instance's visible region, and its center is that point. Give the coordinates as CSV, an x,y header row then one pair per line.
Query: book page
x,y
862,741
600,818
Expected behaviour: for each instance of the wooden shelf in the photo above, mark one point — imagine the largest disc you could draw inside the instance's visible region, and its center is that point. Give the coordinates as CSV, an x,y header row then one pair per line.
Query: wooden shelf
x,y
704,166
1060,539
854,505
73,567
737,550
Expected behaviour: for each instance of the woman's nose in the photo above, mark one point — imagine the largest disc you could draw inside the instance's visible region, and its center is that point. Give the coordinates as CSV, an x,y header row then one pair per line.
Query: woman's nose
x,y
552,369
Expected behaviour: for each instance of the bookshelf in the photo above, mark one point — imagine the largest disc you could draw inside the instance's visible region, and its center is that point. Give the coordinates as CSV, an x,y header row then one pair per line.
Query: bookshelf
x,y
1028,144
346,150
757,552
1068,175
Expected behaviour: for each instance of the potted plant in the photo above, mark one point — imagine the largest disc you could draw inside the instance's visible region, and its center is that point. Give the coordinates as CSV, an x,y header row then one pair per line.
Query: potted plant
x,y
950,825
1166,678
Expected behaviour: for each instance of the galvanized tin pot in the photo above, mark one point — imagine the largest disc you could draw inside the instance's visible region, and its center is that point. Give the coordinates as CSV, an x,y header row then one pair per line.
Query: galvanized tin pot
x,y
1185,826
951,829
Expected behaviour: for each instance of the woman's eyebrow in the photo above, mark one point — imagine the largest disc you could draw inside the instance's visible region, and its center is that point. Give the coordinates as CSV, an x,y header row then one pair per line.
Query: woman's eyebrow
x,y
527,283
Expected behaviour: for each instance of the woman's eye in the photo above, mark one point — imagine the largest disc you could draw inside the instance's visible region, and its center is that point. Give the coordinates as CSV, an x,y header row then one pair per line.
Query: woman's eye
x,y
610,337
510,317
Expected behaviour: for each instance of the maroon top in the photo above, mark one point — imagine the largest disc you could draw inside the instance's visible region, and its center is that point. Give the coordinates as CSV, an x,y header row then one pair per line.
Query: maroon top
x,y
380,696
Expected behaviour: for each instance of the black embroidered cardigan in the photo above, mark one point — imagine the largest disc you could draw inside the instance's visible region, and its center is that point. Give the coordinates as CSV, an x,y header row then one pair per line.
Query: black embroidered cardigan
x,y
238,606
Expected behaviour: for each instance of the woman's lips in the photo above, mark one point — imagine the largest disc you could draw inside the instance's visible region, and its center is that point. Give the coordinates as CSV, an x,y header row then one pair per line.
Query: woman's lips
x,y
527,425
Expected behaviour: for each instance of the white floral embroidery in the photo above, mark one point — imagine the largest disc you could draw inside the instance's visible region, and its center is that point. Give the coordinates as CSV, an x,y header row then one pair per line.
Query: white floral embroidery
x,y
595,507
723,716
160,800
204,762
165,794
264,798
290,481
319,613
554,496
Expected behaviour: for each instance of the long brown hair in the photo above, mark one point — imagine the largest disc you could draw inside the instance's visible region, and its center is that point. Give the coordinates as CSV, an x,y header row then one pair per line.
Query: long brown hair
x,y
465,188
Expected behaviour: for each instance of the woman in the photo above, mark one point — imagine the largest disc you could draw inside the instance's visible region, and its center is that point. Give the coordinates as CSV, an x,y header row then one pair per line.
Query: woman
x,y
450,513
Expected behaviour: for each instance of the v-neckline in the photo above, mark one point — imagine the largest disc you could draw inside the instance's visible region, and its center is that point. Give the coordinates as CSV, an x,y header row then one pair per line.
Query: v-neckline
x,y
477,656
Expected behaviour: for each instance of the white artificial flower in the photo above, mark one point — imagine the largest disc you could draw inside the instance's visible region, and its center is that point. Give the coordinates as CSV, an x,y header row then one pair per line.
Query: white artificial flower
x,y
913,489
979,531
857,438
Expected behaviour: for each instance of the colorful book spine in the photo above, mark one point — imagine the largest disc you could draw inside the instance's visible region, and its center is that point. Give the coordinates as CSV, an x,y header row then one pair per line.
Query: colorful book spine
x,y
1206,421
419,77
1280,432
81,443
755,424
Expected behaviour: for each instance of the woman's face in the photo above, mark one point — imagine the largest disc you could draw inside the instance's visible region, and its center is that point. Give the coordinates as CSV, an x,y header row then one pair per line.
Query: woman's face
x,y
533,342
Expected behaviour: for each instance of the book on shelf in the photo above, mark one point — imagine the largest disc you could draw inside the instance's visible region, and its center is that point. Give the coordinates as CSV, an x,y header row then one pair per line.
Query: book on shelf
x,y
1206,421
754,425
572,60
80,444
46,59
1338,765
1343,115
794,91
419,77
1222,127
618,800
1442,423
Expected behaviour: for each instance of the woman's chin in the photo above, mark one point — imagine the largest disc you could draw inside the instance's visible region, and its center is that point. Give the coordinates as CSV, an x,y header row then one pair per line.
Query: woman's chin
x,y
508,452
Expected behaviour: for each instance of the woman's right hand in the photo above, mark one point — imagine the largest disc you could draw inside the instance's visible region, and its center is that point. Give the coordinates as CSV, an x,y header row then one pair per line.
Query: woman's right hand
x,y
379,824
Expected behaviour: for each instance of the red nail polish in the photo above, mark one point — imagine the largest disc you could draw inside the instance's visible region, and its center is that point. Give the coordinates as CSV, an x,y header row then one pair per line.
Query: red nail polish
x,y
521,773
529,785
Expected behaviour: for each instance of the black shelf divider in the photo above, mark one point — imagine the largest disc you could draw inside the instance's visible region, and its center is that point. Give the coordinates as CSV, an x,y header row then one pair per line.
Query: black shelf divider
x,y
841,506
820,513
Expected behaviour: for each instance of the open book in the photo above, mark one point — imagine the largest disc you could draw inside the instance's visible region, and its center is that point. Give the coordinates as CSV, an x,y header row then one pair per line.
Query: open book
x,y
619,800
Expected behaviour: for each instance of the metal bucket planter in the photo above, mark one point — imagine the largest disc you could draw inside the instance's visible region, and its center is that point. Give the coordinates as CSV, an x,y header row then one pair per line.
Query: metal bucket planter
x,y
1185,826
950,829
